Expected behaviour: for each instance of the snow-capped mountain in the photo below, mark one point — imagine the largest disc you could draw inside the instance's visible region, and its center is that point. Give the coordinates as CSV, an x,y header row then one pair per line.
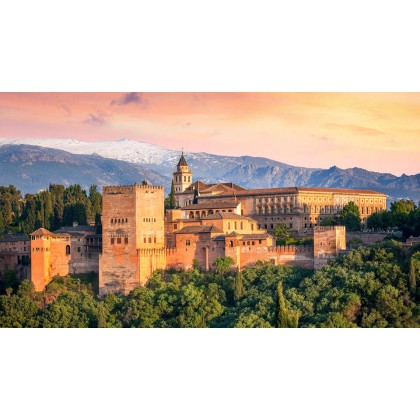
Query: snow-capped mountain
x,y
205,166
248,171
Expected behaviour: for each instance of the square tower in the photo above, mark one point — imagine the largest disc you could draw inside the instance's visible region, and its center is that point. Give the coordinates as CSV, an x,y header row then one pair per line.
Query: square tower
x,y
132,231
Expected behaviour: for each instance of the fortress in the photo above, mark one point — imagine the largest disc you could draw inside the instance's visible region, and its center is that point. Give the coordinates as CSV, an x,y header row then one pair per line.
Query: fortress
x,y
211,221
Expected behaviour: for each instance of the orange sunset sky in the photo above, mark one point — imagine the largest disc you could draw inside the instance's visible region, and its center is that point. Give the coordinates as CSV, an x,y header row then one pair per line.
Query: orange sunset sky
x,y
375,131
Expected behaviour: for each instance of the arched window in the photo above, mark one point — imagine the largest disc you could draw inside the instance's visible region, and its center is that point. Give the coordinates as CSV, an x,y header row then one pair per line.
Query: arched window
x,y
67,249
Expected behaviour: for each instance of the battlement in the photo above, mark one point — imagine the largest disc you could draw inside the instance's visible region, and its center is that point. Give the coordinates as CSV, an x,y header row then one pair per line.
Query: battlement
x,y
121,189
287,249
329,228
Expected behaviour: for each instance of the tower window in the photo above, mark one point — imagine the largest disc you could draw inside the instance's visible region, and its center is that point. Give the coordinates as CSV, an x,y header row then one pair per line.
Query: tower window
x,y
67,249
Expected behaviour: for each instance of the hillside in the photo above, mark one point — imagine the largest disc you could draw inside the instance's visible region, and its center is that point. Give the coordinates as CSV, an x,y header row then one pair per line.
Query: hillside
x,y
31,168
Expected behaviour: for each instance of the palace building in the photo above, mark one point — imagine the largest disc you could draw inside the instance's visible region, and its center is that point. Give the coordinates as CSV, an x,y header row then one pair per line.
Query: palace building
x,y
300,208
211,221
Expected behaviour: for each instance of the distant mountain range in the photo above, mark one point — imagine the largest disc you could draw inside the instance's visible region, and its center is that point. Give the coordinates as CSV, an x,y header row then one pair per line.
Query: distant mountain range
x,y
31,164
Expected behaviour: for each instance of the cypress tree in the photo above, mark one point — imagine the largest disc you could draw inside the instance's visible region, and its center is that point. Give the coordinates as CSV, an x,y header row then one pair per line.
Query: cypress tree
x,y
412,280
285,318
239,290
195,200
1,222
172,200
101,316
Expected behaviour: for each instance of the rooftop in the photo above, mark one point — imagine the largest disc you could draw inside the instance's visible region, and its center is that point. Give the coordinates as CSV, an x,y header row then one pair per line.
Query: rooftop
x,y
82,228
212,205
225,215
296,190
199,229
15,238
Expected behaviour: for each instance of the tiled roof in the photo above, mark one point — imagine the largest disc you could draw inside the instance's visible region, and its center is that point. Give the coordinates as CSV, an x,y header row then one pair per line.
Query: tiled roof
x,y
225,215
295,190
41,231
212,205
199,229
15,238
256,236
95,236
182,161
202,187
81,228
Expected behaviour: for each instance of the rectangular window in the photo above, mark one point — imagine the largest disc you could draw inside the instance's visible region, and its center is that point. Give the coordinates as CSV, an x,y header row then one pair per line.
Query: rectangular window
x,y
187,242
175,226
118,240
112,241
126,240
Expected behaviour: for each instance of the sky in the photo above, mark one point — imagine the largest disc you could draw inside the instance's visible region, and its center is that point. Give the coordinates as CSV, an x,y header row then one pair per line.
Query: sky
x,y
376,131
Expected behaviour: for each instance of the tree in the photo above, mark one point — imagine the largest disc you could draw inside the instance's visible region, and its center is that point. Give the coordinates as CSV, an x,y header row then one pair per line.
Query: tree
x,y
350,217
196,195
281,232
172,199
400,207
285,319
328,221
223,265
1,223
101,316
239,289
414,274
95,199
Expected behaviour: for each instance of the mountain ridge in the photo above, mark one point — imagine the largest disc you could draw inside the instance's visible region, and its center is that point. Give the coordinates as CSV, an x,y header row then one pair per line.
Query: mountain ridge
x,y
247,171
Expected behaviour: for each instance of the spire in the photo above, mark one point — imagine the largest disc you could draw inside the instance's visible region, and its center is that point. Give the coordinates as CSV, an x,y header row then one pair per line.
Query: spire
x,y
182,161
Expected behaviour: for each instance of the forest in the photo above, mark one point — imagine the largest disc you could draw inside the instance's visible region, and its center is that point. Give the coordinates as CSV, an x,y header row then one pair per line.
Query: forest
x,y
376,286
51,208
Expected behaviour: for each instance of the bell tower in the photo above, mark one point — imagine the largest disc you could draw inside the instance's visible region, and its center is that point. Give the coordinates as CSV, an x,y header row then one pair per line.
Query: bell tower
x,y
182,177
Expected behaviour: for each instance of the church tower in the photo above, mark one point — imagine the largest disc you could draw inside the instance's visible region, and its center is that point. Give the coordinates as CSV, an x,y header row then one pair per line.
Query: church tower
x,y
182,176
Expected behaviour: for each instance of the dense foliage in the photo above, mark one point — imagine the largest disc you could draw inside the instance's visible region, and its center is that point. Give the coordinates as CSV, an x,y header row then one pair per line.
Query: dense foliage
x,y
51,208
348,217
374,286
403,215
